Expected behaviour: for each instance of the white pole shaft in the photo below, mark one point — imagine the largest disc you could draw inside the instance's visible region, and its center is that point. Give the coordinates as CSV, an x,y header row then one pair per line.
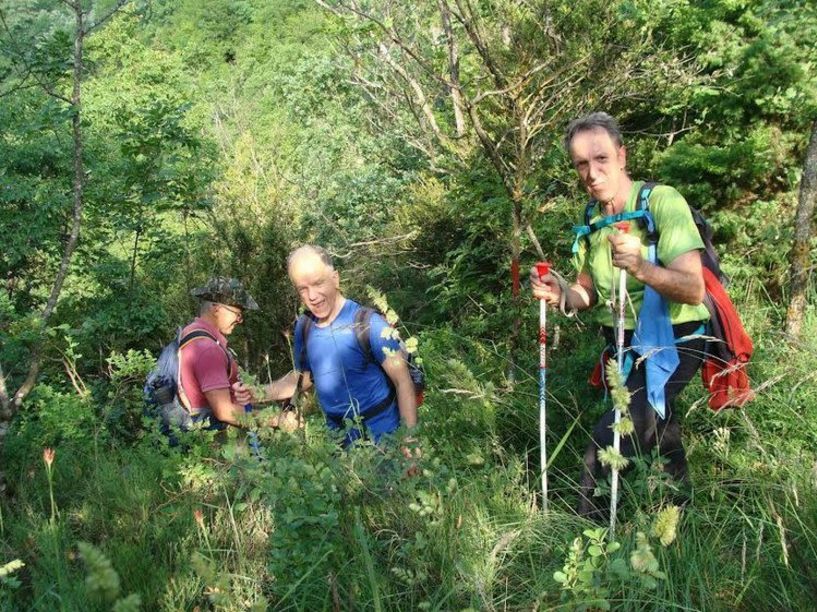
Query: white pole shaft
x,y
543,459
622,299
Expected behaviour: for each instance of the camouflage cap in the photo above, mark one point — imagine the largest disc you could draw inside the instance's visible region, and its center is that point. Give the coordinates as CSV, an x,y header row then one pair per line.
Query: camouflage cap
x,y
228,291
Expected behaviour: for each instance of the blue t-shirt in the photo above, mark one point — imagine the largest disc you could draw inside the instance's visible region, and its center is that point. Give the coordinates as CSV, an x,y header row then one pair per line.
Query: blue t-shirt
x,y
346,382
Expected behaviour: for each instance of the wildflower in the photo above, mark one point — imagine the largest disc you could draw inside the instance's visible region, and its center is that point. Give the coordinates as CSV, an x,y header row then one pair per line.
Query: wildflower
x,y
613,459
614,378
10,567
666,522
48,458
625,426
390,333
198,515
391,317
621,398
642,558
131,603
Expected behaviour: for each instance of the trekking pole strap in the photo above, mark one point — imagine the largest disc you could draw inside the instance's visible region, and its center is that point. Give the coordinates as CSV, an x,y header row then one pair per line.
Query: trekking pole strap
x,y
564,287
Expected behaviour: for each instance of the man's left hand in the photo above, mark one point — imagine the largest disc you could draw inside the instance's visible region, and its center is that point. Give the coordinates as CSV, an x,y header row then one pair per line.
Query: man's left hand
x,y
626,251
413,453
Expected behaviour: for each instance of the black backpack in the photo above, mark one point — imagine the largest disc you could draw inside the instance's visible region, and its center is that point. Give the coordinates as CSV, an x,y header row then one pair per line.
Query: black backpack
x,y
362,328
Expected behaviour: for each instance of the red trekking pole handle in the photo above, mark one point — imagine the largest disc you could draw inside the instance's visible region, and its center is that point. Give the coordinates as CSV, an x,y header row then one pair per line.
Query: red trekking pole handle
x,y
542,268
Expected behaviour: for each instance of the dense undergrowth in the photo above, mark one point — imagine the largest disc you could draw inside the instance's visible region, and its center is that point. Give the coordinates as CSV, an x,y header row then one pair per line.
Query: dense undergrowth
x,y
312,527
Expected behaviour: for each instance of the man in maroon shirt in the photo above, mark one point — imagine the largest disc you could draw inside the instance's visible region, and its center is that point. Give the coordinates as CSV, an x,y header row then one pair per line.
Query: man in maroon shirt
x,y
207,369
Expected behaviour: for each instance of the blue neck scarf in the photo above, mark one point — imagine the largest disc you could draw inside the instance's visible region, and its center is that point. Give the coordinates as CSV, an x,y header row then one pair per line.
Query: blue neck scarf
x,y
654,340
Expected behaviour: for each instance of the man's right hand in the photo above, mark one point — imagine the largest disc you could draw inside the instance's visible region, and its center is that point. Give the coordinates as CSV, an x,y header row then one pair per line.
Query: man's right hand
x,y
545,287
287,421
242,394
290,420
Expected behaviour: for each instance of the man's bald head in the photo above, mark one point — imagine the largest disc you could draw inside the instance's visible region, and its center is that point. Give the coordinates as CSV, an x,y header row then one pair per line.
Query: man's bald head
x,y
309,250
317,282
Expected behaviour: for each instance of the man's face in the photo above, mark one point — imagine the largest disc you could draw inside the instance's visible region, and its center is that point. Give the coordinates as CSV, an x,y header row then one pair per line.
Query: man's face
x,y
227,317
317,284
600,164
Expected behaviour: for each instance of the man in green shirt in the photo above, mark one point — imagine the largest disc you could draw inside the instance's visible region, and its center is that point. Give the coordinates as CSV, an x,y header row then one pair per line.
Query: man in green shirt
x,y
595,146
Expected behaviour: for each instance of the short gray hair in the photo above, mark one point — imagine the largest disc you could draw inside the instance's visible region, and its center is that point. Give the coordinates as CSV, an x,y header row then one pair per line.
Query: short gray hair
x,y
314,249
205,306
590,122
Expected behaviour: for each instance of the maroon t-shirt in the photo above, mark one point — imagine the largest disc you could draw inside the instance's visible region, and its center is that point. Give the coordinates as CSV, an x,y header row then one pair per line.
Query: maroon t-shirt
x,y
203,365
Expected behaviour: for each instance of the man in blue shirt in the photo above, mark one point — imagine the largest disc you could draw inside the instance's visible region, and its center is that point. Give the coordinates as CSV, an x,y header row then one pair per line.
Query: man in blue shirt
x,y
348,383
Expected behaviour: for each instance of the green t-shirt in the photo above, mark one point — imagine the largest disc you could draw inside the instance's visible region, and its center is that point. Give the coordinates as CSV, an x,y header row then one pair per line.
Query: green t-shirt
x,y
677,234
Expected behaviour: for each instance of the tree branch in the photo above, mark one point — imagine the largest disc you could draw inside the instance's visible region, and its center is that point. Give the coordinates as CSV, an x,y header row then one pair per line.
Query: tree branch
x,y
419,94
493,153
392,35
367,87
472,29
453,68
111,12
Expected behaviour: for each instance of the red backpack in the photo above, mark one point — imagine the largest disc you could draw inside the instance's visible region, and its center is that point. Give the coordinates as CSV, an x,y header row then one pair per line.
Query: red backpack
x,y
724,369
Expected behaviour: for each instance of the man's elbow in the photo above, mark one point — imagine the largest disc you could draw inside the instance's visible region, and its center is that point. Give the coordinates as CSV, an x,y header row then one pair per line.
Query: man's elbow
x,y
225,414
697,294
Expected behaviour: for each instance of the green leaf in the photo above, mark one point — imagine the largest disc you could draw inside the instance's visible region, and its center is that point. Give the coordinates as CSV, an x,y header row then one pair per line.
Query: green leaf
x,y
619,567
613,547
594,534
595,551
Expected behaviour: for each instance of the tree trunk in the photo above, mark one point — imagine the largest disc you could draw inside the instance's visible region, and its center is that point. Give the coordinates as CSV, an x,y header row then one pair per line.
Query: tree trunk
x,y
453,69
517,195
14,403
516,250
134,257
800,268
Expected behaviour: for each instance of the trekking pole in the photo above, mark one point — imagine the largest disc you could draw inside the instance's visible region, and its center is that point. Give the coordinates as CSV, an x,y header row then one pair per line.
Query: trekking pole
x,y
542,269
622,294
252,436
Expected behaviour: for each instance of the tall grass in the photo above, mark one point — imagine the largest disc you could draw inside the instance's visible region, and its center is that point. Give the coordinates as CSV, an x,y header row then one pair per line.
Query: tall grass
x,y
314,528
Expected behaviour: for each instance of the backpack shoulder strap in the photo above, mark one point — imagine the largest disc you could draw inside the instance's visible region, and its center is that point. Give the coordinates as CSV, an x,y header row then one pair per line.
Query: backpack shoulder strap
x,y
193,335
588,211
640,214
362,327
306,322
647,221
202,333
709,256
183,341
583,231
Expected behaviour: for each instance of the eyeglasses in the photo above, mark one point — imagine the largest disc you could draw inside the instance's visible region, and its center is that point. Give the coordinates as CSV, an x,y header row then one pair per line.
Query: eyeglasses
x,y
236,311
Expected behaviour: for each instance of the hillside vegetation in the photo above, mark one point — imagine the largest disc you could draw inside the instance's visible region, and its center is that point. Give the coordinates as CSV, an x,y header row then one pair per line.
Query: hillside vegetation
x,y
219,134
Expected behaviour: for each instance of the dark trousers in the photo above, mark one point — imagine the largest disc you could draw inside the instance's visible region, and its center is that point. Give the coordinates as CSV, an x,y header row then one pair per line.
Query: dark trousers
x,y
650,429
